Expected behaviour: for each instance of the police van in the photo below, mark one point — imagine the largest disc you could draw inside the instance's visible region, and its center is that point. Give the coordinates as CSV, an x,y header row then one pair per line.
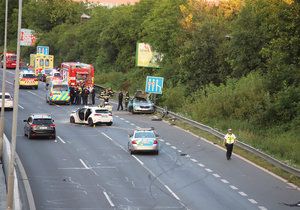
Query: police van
x,y
58,92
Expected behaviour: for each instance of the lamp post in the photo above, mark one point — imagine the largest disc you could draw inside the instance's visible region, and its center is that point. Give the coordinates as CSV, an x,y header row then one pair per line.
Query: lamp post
x,y
3,82
11,177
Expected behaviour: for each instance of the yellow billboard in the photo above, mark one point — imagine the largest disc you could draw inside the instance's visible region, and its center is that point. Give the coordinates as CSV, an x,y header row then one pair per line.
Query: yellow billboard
x,y
145,57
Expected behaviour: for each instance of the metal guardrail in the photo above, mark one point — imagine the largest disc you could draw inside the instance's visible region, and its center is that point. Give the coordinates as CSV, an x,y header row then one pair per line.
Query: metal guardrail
x,y
240,144
220,135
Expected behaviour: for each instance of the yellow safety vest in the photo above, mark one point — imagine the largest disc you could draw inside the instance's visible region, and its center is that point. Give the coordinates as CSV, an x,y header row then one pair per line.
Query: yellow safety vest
x,y
230,138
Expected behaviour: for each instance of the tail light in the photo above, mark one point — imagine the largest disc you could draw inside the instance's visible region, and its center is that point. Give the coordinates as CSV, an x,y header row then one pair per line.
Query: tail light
x,y
33,125
35,79
52,125
133,141
110,114
155,142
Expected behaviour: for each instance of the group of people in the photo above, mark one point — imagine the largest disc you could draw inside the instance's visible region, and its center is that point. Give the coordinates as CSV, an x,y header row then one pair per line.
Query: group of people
x,y
82,95
120,100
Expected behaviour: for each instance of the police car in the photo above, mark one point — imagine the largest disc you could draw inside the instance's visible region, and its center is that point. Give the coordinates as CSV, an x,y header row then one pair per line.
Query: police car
x,y
58,92
28,79
91,115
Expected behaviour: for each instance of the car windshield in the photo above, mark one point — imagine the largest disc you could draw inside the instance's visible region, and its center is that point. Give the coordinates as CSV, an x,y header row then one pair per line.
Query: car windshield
x,y
12,58
146,134
29,76
56,74
42,121
60,88
140,100
6,96
47,71
102,111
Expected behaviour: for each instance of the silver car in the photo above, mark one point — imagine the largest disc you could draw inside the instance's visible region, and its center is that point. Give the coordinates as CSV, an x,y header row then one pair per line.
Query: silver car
x,y
141,105
143,140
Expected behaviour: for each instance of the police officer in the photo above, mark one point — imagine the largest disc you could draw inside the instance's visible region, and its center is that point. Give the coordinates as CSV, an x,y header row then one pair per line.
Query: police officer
x,y
120,100
72,95
229,140
93,93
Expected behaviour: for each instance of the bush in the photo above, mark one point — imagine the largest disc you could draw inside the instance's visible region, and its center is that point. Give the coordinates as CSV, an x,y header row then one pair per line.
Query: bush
x,y
174,97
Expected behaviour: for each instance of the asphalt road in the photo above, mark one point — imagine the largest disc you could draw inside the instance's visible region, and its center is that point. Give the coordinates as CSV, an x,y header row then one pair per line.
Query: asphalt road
x,y
90,167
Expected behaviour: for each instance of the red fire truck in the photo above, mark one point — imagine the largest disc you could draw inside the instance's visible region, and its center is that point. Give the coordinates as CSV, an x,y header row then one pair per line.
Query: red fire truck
x,y
77,74
11,60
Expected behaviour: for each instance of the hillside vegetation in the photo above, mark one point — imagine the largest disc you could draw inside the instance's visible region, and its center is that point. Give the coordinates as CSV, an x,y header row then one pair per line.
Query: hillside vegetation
x,y
235,64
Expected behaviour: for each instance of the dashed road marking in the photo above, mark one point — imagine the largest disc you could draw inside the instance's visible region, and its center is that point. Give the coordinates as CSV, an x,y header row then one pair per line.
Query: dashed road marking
x,y
224,181
252,201
173,147
201,165
194,160
161,140
262,208
233,187
20,106
132,124
208,170
243,194
127,121
121,118
179,151
9,82
167,143
108,199
216,175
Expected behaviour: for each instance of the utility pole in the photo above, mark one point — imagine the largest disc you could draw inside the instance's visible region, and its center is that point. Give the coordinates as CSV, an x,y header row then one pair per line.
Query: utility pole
x,y
3,82
11,177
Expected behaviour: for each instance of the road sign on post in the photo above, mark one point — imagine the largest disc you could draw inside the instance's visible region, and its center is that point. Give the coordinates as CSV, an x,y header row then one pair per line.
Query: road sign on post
x,y
42,50
27,37
154,85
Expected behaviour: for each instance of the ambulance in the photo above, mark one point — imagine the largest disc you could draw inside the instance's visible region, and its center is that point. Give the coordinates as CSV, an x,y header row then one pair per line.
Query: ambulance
x,y
40,61
28,79
58,93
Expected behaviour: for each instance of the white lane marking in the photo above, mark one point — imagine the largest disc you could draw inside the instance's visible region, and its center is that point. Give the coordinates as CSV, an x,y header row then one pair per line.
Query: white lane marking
x,y
167,143
252,201
141,162
116,116
84,164
262,208
132,124
179,151
188,156
108,199
10,72
9,82
233,187
127,121
57,105
121,118
114,142
173,147
209,170
194,160
32,92
61,139
161,140
224,181
243,194
172,192
20,106
201,165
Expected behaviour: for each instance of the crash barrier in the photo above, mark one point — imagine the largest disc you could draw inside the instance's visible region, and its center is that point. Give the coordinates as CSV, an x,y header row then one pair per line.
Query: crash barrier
x,y
240,144
6,154
220,135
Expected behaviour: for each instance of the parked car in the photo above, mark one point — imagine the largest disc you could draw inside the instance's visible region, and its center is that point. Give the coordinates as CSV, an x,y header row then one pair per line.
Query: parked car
x,y
44,74
143,140
39,125
8,103
91,115
140,105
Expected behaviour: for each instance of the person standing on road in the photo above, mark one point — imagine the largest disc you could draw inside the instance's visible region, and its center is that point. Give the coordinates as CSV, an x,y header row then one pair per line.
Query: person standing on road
x,y
126,99
120,100
93,93
229,140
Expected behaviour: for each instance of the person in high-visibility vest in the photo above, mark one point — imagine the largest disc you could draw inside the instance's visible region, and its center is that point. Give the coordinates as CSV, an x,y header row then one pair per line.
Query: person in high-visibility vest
x,y
229,140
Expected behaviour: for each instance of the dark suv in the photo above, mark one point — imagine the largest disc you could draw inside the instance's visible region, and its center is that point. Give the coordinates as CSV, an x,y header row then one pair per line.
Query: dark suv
x,y
39,125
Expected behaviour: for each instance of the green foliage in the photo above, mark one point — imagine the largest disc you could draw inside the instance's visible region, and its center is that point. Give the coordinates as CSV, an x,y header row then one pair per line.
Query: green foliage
x,y
174,97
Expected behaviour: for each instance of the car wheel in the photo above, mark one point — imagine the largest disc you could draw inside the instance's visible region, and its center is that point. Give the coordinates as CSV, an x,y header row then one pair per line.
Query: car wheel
x,y
50,102
36,87
156,152
90,122
109,124
72,119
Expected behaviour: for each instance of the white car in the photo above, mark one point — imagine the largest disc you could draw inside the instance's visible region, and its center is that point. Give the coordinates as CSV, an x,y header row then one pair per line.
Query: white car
x,y
8,103
91,115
